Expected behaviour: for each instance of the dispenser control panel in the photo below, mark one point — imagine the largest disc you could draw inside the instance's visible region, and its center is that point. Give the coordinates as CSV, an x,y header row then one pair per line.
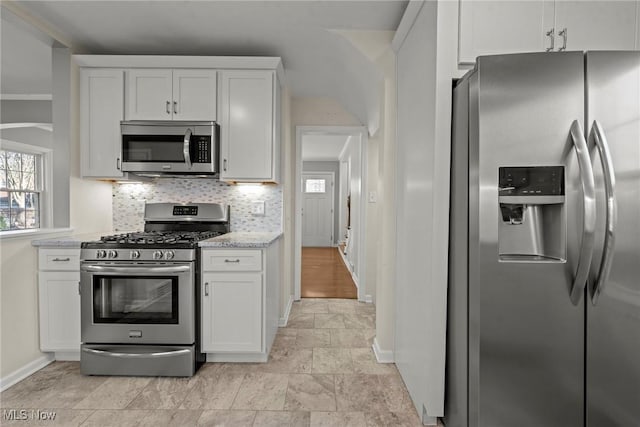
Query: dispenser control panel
x,y
531,181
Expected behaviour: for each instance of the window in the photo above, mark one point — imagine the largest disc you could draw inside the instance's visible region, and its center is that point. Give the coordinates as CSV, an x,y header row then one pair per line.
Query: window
x,y
315,186
20,190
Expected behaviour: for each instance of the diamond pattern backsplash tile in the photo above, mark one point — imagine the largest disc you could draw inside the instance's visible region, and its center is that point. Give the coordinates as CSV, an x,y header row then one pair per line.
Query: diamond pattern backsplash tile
x,y
129,201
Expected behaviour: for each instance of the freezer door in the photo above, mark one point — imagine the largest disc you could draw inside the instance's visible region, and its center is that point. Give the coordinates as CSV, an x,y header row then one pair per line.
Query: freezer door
x,y
526,336
613,310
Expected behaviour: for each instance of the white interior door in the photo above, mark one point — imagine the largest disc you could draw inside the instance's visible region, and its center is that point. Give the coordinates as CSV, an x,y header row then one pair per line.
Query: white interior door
x,y
317,209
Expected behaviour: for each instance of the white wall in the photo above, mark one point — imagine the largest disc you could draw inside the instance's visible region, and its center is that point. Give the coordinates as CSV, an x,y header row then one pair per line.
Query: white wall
x,y
88,210
420,300
426,66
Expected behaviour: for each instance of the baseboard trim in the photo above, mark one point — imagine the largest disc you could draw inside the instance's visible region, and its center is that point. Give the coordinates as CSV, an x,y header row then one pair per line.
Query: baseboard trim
x,y
368,299
382,356
238,357
27,370
282,322
72,356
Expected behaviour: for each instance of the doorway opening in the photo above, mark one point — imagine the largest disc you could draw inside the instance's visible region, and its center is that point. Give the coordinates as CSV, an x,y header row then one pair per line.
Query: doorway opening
x,y
330,176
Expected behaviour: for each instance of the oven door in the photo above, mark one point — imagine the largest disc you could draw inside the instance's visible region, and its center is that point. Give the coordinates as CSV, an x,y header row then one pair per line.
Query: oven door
x,y
142,303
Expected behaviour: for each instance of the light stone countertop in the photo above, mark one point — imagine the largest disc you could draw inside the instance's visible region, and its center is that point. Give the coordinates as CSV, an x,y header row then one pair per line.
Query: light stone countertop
x,y
69,241
229,240
243,239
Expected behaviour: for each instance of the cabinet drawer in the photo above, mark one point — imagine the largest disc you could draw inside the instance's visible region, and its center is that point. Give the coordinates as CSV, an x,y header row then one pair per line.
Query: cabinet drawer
x,y
231,260
59,259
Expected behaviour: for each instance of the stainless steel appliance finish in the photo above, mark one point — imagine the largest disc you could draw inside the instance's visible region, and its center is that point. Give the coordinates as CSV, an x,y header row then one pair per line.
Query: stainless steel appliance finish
x,y
170,148
139,293
613,306
519,266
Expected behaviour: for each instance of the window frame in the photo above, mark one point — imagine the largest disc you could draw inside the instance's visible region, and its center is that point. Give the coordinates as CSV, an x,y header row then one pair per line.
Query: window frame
x,y
44,180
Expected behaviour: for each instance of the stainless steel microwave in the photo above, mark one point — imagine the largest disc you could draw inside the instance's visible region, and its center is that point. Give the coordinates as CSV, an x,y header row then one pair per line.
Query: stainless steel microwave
x,y
170,147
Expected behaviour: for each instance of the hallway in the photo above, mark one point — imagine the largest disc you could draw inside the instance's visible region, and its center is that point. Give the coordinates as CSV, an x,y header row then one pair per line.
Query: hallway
x,y
324,274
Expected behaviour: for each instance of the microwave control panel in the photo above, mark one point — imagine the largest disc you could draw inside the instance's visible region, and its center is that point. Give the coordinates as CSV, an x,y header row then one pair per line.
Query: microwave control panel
x,y
201,151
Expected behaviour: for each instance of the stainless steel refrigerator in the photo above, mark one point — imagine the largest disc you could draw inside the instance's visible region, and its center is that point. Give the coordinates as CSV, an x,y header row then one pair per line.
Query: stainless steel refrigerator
x,y
544,274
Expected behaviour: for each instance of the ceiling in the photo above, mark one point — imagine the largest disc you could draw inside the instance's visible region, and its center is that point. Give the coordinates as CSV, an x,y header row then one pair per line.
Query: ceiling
x,y
318,62
323,147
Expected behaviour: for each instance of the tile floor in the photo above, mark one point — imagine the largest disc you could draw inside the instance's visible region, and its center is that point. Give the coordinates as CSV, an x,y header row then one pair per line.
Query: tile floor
x,y
321,372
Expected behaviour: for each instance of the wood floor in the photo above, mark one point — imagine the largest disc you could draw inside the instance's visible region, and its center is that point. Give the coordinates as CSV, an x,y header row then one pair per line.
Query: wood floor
x,y
324,275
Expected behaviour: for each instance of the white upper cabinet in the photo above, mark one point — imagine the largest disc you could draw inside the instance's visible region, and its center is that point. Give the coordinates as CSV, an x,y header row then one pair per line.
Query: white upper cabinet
x,y
101,110
248,125
595,25
194,95
166,94
499,27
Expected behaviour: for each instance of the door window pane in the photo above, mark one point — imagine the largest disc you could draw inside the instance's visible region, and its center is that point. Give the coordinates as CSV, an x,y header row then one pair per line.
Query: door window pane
x,y
315,186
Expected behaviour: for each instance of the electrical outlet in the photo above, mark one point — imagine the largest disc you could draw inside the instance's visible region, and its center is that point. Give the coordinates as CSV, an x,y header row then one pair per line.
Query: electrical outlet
x,y
258,208
373,197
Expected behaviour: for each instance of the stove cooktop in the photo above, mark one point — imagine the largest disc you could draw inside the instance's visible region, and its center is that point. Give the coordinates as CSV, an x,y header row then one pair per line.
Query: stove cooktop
x,y
152,239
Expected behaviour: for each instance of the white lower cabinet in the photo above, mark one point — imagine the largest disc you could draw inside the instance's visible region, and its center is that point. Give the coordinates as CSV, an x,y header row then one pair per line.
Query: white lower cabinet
x,y
59,300
232,312
239,303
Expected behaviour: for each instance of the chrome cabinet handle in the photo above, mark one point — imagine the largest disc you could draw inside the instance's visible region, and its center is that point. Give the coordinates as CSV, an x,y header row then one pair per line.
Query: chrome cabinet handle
x,y
563,34
168,107
612,210
61,259
175,107
551,35
589,212
118,163
185,148
224,165
232,260
206,289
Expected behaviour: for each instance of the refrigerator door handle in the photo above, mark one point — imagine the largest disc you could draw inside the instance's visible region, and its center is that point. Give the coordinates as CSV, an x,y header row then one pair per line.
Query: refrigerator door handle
x,y
612,209
589,212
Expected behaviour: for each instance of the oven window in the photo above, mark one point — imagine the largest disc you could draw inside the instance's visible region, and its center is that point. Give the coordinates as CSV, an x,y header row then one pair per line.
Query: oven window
x,y
139,299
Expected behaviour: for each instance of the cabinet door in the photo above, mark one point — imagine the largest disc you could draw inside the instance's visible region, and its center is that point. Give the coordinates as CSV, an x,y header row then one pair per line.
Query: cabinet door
x,y
149,94
101,110
499,27
232,312
596,25
194,95
247,125
59,311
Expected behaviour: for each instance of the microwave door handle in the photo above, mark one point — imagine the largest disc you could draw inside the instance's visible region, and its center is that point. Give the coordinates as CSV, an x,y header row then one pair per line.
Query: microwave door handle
x,y
186,148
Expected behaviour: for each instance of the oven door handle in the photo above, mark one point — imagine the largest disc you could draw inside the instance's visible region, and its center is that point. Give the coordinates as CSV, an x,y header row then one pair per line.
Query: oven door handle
x,y
172,353
135,269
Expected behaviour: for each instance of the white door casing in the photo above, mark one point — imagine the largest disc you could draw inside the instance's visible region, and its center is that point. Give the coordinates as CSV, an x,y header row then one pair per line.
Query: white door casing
x,y
317,208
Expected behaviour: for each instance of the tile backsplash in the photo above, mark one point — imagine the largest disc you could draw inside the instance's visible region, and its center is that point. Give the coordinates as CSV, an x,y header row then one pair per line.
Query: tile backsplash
x,y
129,201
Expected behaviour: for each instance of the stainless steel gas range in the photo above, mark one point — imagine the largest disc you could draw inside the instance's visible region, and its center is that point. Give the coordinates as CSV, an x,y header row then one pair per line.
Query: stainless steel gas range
x,y
140,293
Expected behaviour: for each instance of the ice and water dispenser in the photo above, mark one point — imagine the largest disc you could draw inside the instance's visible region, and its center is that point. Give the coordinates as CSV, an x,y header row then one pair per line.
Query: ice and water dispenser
x,y
532,219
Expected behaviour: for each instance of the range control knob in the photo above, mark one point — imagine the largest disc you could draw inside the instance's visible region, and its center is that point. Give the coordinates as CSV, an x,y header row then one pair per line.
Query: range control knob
x,y
134,254
157,255
169,255
101,254
112,254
